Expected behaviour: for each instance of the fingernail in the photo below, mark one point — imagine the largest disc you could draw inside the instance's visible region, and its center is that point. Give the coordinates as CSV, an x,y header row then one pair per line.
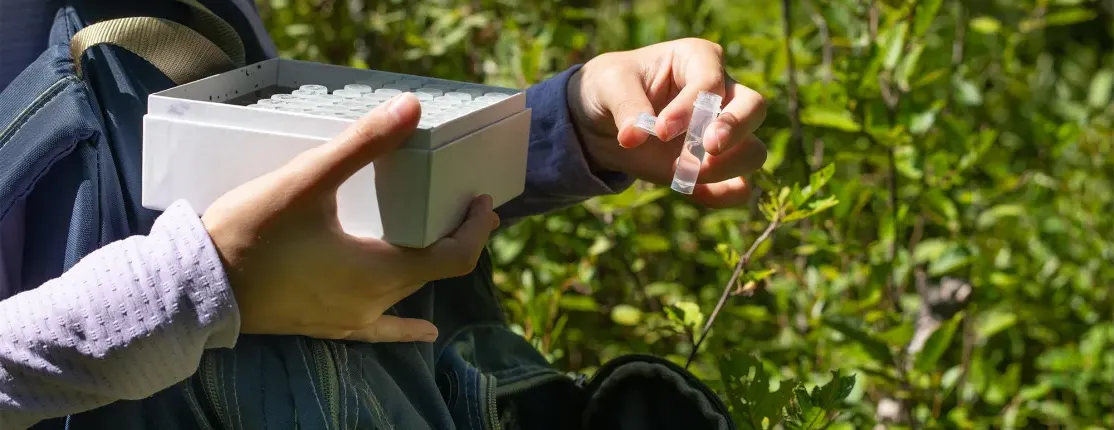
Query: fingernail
x,y
720,134
495,222
400,107
429,336
673,127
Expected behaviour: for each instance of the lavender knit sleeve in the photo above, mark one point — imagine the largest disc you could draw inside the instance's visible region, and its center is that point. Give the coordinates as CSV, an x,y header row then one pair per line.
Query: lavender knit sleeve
x,y
127,321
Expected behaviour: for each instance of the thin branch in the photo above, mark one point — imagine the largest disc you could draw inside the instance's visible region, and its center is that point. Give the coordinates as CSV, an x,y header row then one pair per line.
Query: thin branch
x,y
960,33
797,137
743,262
825,40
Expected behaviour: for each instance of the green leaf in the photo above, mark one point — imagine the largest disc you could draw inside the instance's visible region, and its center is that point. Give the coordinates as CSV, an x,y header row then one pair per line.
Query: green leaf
x,y
877,349
1101,86
993,322
600,246
894,45
1069,16
810,410
985,25
626,315
757,275
829,118
953,258
687,314
995,214
936,345
967,93
817,180
812,209
752,403
579,303
652,242
926,14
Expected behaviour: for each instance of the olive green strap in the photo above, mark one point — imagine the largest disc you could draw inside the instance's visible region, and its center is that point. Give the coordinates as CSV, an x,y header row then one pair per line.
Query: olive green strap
x,y
207,45
180,53
217,30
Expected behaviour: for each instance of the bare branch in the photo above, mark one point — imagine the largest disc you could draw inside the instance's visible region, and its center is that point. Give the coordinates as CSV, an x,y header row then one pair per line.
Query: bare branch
x,y
743,262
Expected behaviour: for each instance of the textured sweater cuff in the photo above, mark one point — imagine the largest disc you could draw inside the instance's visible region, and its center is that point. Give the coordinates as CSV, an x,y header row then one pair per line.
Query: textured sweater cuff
x,y
212,298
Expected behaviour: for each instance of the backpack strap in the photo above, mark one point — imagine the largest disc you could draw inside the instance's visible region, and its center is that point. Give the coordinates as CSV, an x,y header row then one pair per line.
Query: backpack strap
x,y
184,53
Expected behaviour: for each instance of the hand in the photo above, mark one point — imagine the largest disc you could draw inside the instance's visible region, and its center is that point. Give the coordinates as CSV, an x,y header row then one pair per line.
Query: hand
x,y
608,93
294,271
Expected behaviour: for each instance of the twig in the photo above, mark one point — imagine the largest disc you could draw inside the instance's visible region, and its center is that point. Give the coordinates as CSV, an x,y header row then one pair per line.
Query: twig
x,y
797,136
743,261
960,33
825,40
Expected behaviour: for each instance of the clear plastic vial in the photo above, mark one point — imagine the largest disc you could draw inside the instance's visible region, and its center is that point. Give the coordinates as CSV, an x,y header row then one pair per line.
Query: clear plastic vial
x,y
705,110
313,88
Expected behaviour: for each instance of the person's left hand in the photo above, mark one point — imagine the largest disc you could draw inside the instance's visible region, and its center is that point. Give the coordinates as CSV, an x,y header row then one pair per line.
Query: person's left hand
x,y
607,94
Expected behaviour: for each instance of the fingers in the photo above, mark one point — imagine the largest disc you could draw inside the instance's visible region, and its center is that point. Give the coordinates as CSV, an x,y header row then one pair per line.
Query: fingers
x,y
745,111
730,193
626,100
702,71
389,328
379,131
457,254
741,159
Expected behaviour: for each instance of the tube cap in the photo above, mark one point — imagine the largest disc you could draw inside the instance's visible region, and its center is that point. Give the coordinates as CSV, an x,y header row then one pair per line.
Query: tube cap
x,y
708,101
646,122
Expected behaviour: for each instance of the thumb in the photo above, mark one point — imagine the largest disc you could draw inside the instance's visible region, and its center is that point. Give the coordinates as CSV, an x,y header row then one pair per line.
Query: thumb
x,y
625,101
379,131
389,328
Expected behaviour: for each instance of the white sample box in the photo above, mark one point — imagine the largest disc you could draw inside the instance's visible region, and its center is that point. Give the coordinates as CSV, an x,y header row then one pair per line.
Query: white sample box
x,y
206,137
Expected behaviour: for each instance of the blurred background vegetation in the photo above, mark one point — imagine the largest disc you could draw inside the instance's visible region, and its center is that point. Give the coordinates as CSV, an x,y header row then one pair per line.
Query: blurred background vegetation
x,y
965,276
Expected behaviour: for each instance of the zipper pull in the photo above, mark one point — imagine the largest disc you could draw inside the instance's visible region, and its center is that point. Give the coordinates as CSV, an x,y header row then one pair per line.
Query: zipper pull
x,y
581,380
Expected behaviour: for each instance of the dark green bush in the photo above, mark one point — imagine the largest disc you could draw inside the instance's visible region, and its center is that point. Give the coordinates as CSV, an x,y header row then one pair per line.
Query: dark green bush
x,y
964,278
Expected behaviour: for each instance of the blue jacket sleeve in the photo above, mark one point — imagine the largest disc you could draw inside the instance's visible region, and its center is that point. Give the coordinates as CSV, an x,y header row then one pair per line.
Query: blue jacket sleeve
x,y
558,172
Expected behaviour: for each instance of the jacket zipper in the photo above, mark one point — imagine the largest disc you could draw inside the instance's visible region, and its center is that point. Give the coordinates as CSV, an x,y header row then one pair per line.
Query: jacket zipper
x,y
492,405
210,384
327,377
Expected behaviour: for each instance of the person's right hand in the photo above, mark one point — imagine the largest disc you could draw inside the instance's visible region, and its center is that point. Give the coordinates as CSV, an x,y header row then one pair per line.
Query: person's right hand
x,y
294,271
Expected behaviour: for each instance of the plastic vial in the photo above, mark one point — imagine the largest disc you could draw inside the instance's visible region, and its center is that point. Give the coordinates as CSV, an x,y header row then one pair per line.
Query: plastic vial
x,y
449,100
348,94
436,92
459,95
360,88
497,96
705,110
388,91
474,92
422,96
397,86
320,89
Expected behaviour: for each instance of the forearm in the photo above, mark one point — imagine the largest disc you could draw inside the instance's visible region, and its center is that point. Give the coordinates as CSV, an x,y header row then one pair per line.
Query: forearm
x,y
558,172
125,322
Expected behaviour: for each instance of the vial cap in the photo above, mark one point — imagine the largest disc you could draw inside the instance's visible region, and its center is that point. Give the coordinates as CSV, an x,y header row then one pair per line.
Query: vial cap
x,y
358,87
314,88
646,122
708,101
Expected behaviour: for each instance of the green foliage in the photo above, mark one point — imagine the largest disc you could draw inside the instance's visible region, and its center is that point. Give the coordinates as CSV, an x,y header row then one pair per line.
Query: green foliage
x,y
972,145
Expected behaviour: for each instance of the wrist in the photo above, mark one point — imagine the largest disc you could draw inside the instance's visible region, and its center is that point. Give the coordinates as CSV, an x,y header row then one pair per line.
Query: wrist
x,y
581,122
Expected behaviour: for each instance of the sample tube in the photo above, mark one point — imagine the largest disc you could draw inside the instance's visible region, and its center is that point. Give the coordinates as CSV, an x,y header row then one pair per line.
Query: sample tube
x,y
474,92
704,111
361,88
436,92
312,88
